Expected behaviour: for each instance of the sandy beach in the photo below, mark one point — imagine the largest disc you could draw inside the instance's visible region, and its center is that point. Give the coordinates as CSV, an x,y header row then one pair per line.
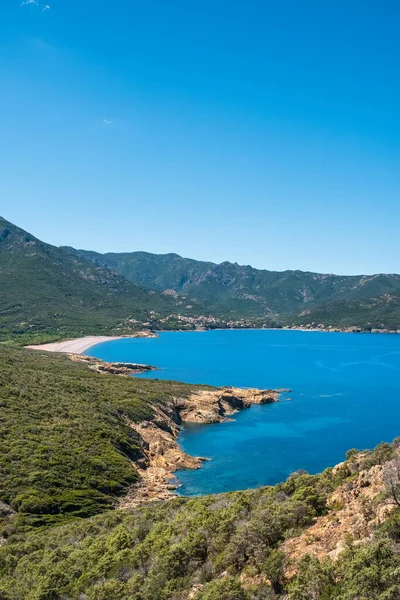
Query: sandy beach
x,y
80,345
77,346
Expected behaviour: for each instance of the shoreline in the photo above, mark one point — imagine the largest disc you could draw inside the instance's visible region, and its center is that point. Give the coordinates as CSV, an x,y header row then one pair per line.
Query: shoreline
x,y
285,328
159,438
164,456
80,345
111,368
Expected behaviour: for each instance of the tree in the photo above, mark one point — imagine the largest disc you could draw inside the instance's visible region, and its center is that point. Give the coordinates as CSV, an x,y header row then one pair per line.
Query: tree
x,y
227,588
391,478
274,570
314,581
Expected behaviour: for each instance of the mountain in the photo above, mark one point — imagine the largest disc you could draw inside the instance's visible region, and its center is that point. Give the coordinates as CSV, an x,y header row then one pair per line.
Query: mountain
x,y
291,297
381,311
46,292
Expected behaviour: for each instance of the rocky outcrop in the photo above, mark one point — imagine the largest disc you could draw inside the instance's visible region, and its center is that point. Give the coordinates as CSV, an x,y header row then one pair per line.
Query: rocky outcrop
x,y
163,457
7,514
121,368
355,509
163,454
216,405
111,368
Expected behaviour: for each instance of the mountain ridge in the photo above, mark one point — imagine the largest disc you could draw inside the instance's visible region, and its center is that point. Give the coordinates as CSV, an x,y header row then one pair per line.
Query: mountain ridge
x,y
224,262
243,291
49,293
46,291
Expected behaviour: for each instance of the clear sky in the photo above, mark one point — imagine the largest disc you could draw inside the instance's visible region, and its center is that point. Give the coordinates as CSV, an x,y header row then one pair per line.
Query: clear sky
x,y
266,133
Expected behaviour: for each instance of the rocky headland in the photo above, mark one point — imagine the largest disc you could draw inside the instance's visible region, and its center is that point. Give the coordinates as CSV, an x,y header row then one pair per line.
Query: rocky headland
x,y
163,454
111,368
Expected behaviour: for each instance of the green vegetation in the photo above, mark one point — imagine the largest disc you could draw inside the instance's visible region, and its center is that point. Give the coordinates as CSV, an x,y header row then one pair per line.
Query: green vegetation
x,y
378,312
162,551
67,454
66,449
290,297
48,294
367,572
155,552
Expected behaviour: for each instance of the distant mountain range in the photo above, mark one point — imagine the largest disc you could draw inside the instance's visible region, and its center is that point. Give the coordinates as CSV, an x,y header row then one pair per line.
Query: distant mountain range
x,y
288,297
48,292
45,293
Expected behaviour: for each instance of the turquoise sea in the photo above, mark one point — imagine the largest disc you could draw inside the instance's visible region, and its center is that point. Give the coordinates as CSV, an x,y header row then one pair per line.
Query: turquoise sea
x,y
345,394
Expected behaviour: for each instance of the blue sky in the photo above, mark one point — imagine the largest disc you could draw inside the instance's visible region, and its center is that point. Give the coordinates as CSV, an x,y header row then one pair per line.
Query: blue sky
x,y
266,133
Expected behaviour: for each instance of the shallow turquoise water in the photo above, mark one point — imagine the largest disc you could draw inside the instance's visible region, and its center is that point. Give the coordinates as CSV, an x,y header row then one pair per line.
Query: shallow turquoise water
x,y
345,394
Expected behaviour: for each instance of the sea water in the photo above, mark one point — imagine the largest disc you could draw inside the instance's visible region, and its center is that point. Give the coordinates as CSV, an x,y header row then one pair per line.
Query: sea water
x,y
345,393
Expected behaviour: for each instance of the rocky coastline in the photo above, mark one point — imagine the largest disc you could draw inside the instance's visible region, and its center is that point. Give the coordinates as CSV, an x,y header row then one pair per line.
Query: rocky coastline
x,y
164,456
330,329
158,438
111,368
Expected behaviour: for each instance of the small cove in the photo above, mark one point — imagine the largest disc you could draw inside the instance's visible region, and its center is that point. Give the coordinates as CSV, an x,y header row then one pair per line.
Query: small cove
x,y
345,393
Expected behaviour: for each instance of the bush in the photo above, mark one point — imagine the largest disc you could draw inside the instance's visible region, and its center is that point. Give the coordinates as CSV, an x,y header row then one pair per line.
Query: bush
x,y
227,588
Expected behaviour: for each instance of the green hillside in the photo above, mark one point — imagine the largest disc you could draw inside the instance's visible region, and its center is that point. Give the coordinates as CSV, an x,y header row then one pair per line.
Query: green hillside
x,y
210,545
376,312
67,454
241,291
47,293
66,449
51,293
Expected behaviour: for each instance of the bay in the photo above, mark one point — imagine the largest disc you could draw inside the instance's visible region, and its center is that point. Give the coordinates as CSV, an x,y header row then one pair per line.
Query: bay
x,y
345,393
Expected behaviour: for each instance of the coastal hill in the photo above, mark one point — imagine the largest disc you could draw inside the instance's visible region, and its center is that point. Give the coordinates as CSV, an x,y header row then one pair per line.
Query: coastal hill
x,y
288,297
48,293
75,455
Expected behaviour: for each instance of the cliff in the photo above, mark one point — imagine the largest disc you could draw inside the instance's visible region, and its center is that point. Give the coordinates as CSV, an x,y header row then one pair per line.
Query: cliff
x,y
215,406
163,453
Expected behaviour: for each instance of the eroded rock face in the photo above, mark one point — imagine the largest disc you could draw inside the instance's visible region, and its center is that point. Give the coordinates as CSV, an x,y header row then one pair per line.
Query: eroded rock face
x,y
355,509
163,454
163,457
215,406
